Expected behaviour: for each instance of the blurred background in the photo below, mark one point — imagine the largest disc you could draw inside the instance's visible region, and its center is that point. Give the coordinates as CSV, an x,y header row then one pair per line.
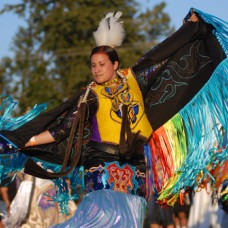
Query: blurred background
x,y
45,45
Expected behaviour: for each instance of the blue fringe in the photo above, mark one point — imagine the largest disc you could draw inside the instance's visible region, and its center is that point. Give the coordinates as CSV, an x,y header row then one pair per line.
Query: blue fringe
x,y
205,119
75,180
221,28
10,164
7,122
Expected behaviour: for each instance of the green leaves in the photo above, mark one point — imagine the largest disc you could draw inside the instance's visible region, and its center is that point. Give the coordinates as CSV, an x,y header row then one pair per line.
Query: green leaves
x,y
51,50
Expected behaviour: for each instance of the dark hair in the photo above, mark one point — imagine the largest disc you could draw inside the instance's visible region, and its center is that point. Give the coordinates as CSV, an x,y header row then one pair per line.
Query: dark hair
x,y
109,51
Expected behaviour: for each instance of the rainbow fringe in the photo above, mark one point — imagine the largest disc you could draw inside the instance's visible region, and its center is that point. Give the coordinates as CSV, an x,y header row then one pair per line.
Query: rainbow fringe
x,y
187,148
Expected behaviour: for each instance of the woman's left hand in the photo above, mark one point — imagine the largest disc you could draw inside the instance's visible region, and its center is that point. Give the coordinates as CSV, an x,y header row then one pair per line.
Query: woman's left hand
x,y
193,18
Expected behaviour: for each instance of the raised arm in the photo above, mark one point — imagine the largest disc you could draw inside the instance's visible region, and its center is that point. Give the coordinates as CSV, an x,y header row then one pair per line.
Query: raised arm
x,y
146,69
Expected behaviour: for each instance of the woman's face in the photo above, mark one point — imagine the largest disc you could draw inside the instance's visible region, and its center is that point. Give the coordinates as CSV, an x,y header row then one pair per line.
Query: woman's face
x,y
103,70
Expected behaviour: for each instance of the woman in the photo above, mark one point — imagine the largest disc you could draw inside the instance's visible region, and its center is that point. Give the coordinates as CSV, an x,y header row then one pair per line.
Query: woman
x,y
124,163
108,129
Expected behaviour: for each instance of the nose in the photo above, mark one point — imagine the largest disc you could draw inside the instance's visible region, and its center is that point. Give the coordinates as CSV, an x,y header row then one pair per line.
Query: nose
x,y
97,69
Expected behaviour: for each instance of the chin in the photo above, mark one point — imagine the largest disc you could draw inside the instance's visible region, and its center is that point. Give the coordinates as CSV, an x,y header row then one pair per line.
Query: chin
x,y
99,81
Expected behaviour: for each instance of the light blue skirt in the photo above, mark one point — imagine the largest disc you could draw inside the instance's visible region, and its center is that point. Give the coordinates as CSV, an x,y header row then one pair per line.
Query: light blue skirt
x,y
107,208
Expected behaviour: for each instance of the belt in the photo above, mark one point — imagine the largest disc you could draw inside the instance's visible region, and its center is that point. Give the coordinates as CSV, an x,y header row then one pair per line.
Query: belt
x,y
105,147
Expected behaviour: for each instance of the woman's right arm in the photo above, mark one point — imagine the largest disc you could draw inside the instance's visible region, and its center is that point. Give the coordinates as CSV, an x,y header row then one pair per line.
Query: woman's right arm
x,y
58,132
62,130
43,138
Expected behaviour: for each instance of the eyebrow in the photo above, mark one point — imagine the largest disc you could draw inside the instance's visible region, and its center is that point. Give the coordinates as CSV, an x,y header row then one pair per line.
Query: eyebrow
x,y
97,62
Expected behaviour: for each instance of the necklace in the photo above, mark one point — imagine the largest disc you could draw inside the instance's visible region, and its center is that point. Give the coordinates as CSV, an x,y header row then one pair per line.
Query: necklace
x,y
118,91
114,81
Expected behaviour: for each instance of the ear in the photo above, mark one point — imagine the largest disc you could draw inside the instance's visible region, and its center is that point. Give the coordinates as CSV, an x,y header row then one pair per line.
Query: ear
x,y
116,64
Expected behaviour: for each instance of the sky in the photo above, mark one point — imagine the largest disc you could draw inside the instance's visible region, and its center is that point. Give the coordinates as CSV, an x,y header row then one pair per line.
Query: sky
x,y
177,9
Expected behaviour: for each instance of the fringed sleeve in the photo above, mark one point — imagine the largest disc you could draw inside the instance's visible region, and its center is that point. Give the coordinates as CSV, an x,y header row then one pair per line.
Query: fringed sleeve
x,y
187,108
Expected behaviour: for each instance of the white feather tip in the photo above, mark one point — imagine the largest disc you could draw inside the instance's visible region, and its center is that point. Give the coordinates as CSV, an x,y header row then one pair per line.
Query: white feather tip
x,y
110,31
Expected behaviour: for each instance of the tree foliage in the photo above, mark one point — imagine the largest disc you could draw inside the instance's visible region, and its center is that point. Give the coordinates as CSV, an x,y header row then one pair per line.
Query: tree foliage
x,y
51,52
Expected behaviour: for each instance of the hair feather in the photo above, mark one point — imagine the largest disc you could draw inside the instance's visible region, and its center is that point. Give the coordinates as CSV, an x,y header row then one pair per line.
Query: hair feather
x,y
110,30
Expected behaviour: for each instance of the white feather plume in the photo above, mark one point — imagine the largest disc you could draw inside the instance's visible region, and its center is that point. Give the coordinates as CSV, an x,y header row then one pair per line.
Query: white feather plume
x,y
110,31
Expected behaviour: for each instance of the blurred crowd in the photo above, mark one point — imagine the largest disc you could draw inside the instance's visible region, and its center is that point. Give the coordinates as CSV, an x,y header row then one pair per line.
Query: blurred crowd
x,y
201,209
26,202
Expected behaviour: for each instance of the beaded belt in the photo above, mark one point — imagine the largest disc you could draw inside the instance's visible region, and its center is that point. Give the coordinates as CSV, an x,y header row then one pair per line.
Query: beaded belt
x,y
121,178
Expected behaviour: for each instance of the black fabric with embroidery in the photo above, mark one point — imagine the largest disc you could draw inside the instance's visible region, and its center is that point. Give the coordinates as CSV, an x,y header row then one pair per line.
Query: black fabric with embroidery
x,y
170,75
165,88
60,116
